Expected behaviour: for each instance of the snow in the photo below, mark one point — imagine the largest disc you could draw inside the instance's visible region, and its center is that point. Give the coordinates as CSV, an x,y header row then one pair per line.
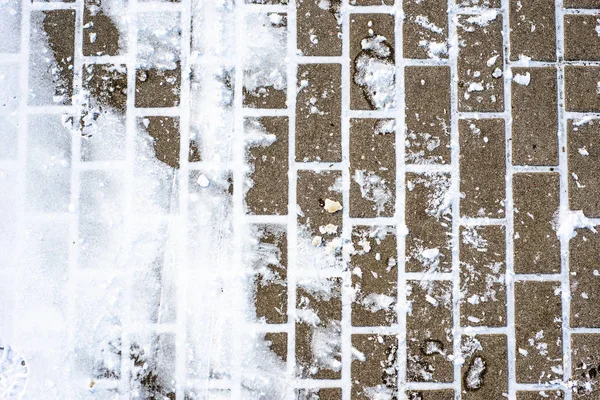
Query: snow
x,y
375,72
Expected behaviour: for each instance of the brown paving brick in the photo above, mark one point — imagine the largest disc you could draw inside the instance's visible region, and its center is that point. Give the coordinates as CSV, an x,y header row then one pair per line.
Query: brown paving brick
x,y
157,88
482,281
482,148
371,2
479,3
270,284
425,28
319,27
582,92
319,309
313,189
277,342
540,395
107,84
166,137
532,30
372,168
581,3
485,371
535,119
319,394
58,28
365,29
101,37
431,395
374,276
429,223
480,88
318,113
536,199
585,363
264,89
427,114
538,331
268,161
429,331
581,37
584,158
374,372
585,279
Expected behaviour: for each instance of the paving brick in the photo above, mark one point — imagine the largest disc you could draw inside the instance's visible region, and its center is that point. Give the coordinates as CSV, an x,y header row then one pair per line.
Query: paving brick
x,y
584,155
479,3
277,342
425,29
581,37
585,363
431,395
427,114
585,279
429,331
313,189
270,283
54,29
319,27
107,85
374,276
166,137
480,84
319,394
371,2
535,119
429,223
532,30
581,89
485,371
372,168
482,280
540,395
374,372
157,88
482,145
538,332
536,200
581,3
318,113
319,310
267,154
371,43
265,76
101,37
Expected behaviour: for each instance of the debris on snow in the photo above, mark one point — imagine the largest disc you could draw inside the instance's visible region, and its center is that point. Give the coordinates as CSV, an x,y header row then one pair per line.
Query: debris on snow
x,y
332,206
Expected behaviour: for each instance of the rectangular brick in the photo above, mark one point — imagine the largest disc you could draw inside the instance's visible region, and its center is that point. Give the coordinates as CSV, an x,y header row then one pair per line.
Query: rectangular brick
x,y
585,362
374,276
482,148
480,63
153,359
371,2
10,27
427,91
429,331
485,371
319,394
429,223
536,200
319,28
51,72
584,157
581,37
425,28
270,282
540,395
532,30
585,279
318,113
277,342
538,332
267,154
101,37
581,89
581,3
479,3
265,70
535,118
372,168
318,329
373,372
372,51
431,395
482,279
